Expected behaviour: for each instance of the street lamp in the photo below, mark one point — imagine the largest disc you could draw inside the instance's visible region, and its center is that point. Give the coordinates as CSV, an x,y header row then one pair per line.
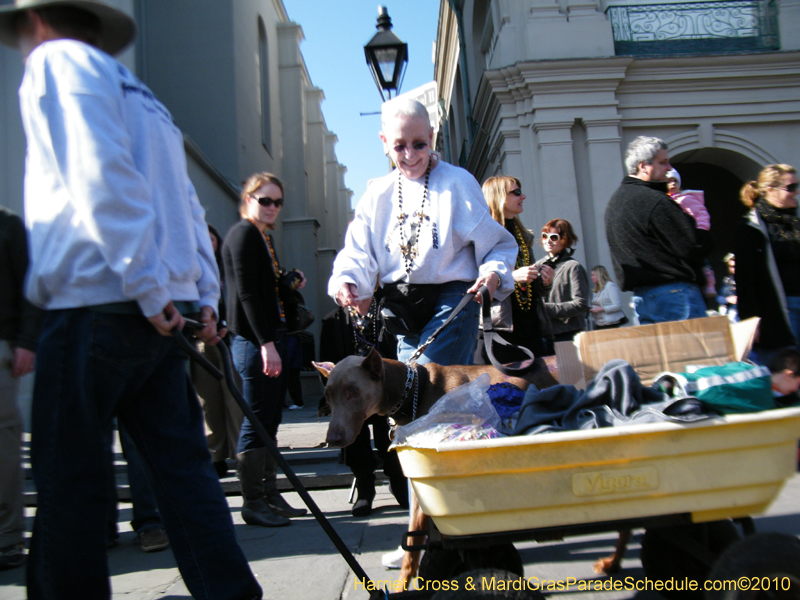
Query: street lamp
x,y
387,56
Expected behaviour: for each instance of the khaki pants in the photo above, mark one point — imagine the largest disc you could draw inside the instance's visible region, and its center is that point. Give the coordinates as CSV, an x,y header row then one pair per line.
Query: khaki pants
x,y
12,523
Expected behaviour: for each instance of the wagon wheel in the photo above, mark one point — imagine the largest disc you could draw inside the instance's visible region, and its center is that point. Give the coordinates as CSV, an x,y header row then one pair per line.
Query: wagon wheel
x,y
441,564
459,589
685,552
502,557
765,559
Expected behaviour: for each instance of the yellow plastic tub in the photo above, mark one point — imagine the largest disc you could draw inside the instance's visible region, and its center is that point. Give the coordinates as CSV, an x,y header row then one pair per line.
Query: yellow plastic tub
x,y
718,468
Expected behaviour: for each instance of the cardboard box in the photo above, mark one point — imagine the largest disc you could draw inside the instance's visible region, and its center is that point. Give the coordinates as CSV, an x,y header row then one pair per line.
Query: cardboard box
x,y
653,349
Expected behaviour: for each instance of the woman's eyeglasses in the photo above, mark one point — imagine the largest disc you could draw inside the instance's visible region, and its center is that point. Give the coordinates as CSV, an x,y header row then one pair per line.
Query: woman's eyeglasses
x,y
267,201
792,187
553,237
516,192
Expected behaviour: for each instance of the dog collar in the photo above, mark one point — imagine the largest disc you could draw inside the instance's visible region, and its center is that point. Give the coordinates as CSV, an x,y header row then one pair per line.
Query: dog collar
x,y
411,384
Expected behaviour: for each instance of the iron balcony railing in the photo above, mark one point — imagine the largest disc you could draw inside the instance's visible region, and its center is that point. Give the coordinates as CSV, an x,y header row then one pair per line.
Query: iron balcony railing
x,y
695,27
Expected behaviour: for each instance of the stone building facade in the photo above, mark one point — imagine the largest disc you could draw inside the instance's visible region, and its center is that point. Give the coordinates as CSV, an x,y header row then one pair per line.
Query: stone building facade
x,y
552,92
233,77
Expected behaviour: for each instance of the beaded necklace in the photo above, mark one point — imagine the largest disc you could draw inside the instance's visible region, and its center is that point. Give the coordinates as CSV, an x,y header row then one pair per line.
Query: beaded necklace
x,y
522,290
276,269
363,334
409,249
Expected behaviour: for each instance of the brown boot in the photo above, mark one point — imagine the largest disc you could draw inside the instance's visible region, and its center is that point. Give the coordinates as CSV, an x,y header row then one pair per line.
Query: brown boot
x,y
273,497
255,511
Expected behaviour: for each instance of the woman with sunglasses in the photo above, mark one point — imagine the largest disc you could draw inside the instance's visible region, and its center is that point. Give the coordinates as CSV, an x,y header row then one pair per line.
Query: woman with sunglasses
x,y
422,233
517,318
567,302
257,319
768,259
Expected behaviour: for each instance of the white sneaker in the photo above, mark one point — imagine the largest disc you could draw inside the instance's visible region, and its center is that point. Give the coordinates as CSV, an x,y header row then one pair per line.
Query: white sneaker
x,y
394,559
295,407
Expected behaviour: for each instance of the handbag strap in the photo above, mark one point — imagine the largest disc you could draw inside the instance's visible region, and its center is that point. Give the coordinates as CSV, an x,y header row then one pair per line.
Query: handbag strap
x,y
491,337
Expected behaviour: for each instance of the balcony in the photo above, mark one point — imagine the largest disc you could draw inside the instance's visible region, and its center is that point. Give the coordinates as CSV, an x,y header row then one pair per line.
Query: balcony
x,y
695,28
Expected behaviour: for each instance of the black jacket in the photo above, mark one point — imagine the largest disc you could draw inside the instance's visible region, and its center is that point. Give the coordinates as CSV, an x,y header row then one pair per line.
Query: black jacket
x,y
253,308
652,241
19,319
759,289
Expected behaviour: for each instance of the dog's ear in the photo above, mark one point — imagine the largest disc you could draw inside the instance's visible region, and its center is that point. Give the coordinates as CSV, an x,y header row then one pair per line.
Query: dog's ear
x,y
324,368
373,364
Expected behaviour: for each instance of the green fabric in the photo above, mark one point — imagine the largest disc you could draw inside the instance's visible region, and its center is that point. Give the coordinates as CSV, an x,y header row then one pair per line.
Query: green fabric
x,y
735,387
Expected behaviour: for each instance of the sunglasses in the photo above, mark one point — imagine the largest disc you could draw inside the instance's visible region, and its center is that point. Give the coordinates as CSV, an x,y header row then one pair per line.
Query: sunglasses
x,y
267,201
516,192
553,237
792,187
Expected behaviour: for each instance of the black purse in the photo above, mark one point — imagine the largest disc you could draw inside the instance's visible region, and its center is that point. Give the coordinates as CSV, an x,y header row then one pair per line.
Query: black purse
x,y
405,308
298,316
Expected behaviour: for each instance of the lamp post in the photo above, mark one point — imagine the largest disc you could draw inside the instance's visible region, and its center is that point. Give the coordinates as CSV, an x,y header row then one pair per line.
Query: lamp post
x,y
387,56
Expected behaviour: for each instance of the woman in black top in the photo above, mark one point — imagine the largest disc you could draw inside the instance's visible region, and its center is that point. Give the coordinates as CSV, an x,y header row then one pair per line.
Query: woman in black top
x,y
768,259
256,318
517,318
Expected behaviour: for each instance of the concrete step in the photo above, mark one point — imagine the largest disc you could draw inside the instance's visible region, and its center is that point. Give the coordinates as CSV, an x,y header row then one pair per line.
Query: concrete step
x,y
317,469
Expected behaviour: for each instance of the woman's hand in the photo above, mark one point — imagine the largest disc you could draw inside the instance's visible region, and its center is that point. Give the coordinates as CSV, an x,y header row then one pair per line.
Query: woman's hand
x,y
491,281
303,280
526,274
596,309
271,360
346,295
546,272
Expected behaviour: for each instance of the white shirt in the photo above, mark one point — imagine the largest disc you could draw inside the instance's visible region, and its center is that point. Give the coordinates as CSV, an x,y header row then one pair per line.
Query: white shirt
x,y
458,240
109,206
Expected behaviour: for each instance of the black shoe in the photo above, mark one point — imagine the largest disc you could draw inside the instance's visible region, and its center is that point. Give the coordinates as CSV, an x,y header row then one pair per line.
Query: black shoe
x,y
12,556
362,508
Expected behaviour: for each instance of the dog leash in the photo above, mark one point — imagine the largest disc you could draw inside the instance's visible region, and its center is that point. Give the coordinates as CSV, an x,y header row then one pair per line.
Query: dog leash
x,y
272,448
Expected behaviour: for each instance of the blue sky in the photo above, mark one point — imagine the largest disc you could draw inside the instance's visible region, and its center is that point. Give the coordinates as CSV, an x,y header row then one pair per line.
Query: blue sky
x,y
335,33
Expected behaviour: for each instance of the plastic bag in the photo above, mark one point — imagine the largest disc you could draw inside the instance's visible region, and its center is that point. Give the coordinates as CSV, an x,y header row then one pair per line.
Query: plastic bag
x,y
465,413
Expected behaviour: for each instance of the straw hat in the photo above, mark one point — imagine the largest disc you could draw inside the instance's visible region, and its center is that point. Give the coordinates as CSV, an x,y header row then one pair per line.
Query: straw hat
x,y
117,28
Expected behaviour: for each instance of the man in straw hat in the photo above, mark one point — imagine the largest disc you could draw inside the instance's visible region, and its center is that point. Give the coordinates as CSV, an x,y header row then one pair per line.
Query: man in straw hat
x,y
119,249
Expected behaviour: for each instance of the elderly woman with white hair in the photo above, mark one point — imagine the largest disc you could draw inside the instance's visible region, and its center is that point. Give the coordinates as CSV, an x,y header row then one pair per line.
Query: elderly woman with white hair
x,y
424,234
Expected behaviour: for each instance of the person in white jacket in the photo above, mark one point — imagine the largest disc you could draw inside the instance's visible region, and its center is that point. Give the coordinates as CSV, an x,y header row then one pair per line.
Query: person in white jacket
x,y
606,308
119,248
424,229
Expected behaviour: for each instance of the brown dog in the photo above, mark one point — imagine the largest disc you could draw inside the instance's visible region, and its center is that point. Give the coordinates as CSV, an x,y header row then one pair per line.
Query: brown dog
x,y
359,387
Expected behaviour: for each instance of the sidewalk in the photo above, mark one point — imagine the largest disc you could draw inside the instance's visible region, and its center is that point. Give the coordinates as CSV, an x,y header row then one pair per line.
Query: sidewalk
x,y
300,562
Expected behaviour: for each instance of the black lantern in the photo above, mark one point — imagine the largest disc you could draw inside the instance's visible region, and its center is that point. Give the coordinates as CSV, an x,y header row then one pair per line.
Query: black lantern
x,y
387,56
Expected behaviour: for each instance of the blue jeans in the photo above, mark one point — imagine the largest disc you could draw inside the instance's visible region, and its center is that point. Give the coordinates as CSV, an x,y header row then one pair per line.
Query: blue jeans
x,y
93,366
456,343
669,302
263,394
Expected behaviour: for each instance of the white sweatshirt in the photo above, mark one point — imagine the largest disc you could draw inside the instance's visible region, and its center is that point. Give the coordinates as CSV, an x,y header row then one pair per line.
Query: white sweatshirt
x,y
109,206
466,241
